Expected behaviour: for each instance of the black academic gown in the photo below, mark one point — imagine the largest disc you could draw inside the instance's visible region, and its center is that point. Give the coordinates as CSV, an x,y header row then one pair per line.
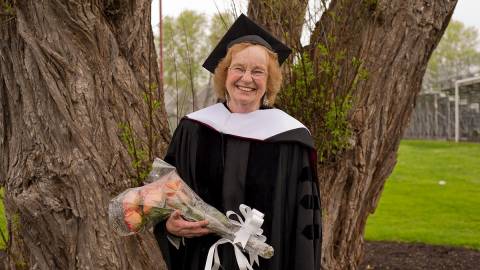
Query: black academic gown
x,y
275,175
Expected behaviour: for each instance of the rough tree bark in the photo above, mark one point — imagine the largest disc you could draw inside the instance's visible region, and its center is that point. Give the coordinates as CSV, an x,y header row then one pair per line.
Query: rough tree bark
x,y
285,19
394,40
70,72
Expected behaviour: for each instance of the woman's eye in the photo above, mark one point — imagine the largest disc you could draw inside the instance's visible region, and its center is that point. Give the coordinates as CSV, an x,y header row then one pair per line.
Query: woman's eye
x,y
258,72
239,69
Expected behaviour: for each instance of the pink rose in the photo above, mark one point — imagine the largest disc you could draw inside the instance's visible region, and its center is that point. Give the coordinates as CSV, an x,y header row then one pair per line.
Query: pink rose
x,y
133,219
154,198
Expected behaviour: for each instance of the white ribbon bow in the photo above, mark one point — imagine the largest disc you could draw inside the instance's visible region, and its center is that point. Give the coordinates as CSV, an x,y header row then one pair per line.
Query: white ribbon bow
x,y
251,226
242,261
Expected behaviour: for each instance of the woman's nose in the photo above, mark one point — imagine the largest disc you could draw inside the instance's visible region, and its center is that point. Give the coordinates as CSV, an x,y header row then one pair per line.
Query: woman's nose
x,y
247,76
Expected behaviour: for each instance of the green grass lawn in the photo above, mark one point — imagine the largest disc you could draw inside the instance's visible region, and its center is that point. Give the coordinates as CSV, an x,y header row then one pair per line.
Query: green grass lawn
x,y
414,207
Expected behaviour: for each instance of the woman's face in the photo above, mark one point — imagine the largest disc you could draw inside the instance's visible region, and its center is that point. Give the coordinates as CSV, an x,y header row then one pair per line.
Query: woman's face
x,y
247,79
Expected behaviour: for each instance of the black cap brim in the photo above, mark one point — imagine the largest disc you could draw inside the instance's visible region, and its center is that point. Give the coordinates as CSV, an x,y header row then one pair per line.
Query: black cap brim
x,y
245,30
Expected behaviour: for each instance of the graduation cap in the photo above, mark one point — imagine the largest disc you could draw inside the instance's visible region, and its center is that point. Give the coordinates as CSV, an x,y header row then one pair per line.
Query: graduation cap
x,y
245,30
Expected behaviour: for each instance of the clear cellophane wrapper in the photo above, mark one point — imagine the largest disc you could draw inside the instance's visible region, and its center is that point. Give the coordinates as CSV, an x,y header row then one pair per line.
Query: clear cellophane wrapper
x,y
138,209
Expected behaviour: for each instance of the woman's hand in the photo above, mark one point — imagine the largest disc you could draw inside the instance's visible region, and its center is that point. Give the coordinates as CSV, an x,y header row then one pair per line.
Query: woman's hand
x,y
178,226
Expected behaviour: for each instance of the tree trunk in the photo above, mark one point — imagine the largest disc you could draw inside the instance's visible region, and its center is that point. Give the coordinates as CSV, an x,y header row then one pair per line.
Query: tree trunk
x,y
70,73
394,40
283,18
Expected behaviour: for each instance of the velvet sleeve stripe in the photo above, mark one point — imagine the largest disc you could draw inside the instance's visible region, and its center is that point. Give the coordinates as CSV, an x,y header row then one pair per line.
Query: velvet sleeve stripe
x,y
308,227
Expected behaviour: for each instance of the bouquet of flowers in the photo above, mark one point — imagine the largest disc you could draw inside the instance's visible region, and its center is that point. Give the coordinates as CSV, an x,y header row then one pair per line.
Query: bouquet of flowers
x,y
138,209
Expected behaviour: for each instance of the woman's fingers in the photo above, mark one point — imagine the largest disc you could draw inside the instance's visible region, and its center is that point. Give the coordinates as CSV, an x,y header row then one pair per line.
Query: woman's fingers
x,y
178,226
191,224
185,224
193,229
196,233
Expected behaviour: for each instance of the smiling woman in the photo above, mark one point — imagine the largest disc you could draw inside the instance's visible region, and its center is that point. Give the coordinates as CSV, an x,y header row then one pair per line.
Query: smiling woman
x,y
244,151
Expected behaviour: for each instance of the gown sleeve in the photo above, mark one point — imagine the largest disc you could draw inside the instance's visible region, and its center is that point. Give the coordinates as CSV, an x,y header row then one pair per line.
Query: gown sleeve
x,y
308,224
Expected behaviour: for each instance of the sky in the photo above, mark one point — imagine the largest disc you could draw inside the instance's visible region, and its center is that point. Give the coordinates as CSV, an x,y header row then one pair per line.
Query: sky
x,y
175,7
467,11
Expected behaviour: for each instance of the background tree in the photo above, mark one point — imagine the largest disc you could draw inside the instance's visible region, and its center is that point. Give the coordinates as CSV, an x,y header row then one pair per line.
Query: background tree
x,y
188,39
71,73
456,55
219,24
354,85
186,46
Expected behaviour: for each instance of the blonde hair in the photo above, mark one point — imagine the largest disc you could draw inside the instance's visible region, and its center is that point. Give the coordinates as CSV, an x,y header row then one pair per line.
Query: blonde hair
x,y
274,79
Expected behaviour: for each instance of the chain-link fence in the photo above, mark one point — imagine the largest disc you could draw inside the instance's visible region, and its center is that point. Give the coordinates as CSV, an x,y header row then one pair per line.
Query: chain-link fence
x,y
434,115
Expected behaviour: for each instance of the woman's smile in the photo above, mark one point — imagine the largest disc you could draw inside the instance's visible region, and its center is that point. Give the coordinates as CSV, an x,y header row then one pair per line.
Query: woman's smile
x,y
246,88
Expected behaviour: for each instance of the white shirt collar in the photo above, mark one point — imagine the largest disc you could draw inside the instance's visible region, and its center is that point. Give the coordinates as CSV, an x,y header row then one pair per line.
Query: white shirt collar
x,y
259,124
